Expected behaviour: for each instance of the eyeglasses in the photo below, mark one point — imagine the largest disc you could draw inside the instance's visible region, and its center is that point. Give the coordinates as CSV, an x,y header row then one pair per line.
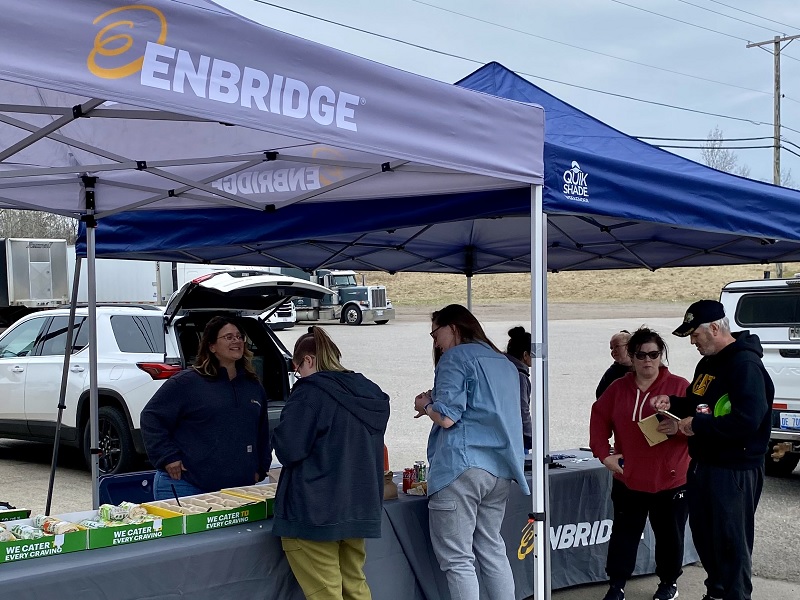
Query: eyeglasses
x,y
618,346
433,333
229,337
651,355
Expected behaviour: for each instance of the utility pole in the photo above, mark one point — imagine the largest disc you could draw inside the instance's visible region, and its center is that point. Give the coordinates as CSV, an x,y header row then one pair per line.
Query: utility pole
x,y
776,152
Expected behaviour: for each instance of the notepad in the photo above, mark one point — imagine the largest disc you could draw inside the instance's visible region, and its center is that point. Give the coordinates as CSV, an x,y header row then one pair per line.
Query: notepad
x,y
649,427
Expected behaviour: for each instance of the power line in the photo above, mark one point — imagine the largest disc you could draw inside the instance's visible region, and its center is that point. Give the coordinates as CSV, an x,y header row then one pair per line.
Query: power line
x,y
713,147
483,62
635,62
788,141
754,15
747,139
736,37
790,150
716,12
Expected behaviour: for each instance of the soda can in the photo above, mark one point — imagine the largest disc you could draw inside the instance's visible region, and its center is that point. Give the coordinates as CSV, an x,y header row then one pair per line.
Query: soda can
x,y
408,478
422,475
703,409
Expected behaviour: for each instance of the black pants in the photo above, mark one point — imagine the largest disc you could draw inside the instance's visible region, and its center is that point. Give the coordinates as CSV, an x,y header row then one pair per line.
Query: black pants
x,y
722,507
667,511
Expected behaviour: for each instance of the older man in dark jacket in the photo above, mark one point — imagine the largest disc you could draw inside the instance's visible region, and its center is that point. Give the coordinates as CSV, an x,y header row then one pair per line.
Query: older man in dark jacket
x,y
727,413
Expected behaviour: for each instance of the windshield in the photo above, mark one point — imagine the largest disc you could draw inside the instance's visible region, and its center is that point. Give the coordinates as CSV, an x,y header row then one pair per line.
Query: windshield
x,y
343,280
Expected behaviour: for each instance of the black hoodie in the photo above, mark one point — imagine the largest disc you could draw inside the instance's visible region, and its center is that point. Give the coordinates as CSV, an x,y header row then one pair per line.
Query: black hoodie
x,y
740,438
330,443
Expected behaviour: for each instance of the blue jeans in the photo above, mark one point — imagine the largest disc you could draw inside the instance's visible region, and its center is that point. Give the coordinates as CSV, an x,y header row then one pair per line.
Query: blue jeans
x,y
465,519
163,485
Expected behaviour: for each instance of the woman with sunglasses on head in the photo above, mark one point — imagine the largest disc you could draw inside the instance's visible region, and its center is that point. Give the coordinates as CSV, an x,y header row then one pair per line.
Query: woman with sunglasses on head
x,y
648,480
330,492
475,451
207,427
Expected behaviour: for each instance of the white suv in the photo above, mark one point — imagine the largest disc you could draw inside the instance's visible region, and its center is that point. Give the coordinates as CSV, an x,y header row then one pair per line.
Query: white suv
x,y
138,348
770,308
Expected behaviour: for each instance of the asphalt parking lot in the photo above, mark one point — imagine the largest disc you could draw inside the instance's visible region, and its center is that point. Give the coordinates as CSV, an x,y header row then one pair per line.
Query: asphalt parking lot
x,y
397,356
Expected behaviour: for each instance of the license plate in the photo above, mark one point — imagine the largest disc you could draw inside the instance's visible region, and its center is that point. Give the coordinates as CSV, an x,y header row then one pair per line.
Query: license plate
x,y
380,313
790,420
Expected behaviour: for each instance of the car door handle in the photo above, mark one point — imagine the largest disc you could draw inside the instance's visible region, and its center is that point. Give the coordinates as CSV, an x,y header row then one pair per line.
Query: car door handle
x,y
76,369
17,369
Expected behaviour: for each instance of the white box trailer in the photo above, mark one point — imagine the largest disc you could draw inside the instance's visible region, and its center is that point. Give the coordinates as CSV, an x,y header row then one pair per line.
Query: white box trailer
x,y
35,276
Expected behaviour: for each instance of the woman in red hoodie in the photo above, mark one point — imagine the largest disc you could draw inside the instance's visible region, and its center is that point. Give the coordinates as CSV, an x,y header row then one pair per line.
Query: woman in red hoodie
x,y
651,480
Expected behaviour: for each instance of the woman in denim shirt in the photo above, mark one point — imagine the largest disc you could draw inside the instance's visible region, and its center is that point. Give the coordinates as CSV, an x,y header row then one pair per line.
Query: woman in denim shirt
x,y
474,452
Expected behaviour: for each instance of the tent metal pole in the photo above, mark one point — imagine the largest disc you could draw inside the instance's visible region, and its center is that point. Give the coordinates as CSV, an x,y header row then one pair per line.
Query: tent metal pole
x,y
62,394
539,491
91,229
469,293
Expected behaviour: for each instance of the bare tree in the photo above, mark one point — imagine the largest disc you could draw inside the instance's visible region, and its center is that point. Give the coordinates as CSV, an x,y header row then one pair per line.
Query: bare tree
x,y
36,224
722,159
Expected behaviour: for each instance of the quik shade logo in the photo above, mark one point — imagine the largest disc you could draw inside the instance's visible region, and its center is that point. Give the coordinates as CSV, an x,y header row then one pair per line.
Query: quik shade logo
x,y
133,39
575,185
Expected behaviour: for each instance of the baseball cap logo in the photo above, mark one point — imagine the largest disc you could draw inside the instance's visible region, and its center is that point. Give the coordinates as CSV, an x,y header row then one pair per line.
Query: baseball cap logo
x,y
688,318
116,43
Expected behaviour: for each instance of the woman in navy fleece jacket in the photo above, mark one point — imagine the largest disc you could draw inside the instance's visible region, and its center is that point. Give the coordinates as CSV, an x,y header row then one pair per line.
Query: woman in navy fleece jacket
x,y
207,427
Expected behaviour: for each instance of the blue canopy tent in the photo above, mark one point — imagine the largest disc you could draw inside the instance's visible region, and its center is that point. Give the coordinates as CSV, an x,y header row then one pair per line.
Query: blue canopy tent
x,y
612,201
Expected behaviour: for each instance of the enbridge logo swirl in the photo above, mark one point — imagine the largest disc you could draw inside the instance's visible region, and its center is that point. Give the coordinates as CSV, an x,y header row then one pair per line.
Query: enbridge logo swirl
x,y
122,42
526,541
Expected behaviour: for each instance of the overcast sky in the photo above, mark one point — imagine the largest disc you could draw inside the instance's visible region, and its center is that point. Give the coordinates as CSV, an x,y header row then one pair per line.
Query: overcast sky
x,y
511,33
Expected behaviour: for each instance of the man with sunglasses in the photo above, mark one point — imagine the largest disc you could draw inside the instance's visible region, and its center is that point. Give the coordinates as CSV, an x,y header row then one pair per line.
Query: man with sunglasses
x,y
727,414
622,361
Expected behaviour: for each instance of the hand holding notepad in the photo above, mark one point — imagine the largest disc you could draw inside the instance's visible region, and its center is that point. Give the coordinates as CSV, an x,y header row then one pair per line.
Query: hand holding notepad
x,y
649,427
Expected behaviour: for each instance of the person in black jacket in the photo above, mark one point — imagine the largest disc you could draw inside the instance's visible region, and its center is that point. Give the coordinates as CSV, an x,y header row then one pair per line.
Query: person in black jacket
x,y
207,427
727,445
330,492
518,351
622,362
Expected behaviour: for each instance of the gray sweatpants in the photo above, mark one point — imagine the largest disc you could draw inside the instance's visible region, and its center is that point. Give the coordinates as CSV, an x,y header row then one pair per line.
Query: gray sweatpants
x,y
465,519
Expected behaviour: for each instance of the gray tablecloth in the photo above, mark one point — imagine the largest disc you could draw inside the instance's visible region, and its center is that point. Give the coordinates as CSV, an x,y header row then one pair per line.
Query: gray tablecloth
x,y
246,562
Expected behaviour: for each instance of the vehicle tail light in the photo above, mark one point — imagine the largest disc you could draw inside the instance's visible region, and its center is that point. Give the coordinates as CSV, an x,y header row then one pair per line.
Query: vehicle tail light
x,y
203,278
159,371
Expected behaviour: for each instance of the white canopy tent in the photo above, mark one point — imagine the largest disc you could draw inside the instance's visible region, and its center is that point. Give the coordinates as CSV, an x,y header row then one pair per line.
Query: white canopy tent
x,y
185,105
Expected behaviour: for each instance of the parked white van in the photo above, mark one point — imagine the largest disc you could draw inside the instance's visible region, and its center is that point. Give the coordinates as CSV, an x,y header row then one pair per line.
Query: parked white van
x,y
770,308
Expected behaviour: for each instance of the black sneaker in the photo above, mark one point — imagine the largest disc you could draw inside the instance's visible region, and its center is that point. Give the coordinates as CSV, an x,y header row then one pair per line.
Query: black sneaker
x,y
614,593
666,591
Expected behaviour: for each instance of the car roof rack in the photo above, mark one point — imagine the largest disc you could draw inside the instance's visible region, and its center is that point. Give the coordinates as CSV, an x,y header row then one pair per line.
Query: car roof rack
x,y
115,305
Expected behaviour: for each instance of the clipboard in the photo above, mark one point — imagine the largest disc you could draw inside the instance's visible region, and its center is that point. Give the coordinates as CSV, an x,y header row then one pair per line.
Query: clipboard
x,y
649,427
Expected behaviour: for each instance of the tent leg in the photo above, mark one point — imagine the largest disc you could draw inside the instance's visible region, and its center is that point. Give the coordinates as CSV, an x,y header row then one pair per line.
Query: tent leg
x,y
539,410
469,293
63,390
91,229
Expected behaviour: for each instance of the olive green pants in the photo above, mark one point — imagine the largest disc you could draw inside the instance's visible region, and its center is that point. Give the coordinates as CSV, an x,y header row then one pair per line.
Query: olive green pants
x,y
329,570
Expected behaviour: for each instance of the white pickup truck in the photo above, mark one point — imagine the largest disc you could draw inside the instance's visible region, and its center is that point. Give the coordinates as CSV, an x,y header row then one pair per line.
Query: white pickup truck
x,y
770,308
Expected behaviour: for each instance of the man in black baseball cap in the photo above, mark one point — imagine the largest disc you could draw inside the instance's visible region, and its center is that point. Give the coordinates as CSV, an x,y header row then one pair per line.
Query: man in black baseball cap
x,y
727,415
702,311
